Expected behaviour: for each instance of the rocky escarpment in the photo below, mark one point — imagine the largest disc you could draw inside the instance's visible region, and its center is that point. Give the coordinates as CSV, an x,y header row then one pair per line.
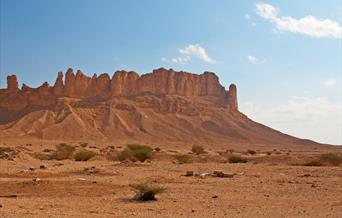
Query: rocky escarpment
x,y
122,84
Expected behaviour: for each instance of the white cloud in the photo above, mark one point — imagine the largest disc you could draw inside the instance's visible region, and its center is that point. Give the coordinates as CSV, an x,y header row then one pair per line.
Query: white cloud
x,y
330,82
253,24
247,17
252,59
308,25
163,59
313,118
192,51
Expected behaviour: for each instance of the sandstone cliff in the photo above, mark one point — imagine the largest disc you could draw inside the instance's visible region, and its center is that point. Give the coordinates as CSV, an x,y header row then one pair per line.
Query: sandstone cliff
x,y
122,84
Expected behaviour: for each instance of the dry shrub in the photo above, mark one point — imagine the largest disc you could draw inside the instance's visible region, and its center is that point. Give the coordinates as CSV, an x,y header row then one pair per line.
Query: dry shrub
x,y
328,159
63,151
135,152
196,149
145,192
182,158
235,158
84,155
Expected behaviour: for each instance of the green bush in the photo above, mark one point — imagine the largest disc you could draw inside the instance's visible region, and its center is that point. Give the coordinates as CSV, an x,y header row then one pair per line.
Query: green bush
x,y
145,192
84,155
63,151
234,158
135,152
196,149
182,158
252,152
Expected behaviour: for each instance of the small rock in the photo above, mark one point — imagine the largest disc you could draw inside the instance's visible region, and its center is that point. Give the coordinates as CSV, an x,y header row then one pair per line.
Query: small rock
x,y
81,179
91,170
215,196
223,175
189,173
36,180
42,167
0,205
31,168
94,182
192,210
203,175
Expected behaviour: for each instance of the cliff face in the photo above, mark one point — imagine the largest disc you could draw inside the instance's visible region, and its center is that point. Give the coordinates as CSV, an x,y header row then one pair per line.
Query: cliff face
x,y
124,84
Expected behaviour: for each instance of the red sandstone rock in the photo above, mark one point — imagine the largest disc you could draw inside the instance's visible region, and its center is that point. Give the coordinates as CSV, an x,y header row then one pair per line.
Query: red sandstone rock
x,y
232,98
160,82
12,84
58,88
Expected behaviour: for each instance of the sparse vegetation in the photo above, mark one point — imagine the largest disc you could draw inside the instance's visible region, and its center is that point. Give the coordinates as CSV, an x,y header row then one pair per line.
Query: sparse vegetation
x,y
196,149
135,152
252,152
84,155
63,151
328,159
145,192
182,158
331,158
42,156
234,158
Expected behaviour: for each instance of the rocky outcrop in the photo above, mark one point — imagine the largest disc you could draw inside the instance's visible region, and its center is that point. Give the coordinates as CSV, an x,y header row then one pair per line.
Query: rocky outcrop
x,y
12,84
123,84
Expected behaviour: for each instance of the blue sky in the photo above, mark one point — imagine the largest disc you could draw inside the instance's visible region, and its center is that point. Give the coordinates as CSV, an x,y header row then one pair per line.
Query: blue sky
x,y
284,56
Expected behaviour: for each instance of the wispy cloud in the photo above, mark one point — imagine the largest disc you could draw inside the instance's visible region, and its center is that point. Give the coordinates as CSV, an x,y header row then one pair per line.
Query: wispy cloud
x,y
298,112
192,50
254,60
330,82
163,59
308,25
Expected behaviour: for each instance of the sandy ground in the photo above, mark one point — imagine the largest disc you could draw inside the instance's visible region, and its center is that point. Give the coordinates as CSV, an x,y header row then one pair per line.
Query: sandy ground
x,y
66,189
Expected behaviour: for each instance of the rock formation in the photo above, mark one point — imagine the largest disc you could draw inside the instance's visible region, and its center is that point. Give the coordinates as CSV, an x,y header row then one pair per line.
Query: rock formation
x,y
122,84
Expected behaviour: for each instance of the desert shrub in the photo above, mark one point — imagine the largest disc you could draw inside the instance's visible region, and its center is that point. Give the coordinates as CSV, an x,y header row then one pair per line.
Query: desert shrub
x,y
252,152
182,158
42,156
331,158
326,160
145,192
196,149
84,155
63,151
135,152
84,144
234,158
